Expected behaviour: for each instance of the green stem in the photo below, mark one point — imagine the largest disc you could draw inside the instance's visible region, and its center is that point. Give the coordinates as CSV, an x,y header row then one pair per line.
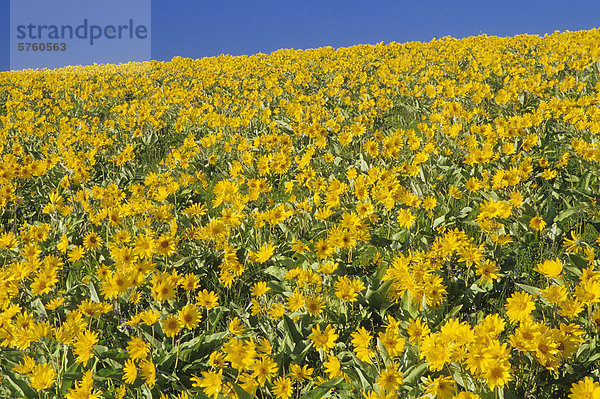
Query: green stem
x,y
177,356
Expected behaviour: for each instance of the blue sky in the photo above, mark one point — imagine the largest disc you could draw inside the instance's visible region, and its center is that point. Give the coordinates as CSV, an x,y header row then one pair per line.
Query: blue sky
x,y
204,28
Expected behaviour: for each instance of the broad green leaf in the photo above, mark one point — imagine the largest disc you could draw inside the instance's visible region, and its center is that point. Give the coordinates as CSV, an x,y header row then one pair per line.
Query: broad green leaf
x,y
439,221
93,293
529,289
322,389
578,261
291,328
414,373
377,298
276,271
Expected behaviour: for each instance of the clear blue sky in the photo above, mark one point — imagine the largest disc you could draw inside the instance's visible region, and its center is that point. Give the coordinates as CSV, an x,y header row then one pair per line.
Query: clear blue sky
x,y
202,28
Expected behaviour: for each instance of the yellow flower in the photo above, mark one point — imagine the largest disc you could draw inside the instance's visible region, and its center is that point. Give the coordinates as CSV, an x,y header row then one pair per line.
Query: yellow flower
x,y
497,373
516,199
26,366
120,392
347,289
361,337
145,246
537,223
429,203
137,348
585,389
148,372
263,369
554,294
314,305
248,383
282,388
83,388
588,291
323,248
570,308
76,253
44,281
211,382
171,326
519,306
295,301
550,268
259,289
240,353
300,372
42,376
488,270
277,310
235,326
392,341
92,241
208,299
549,174
323,340
129,371
63,244
166,245
405,218
390,378
264,254
573,244
55,303
441,387
455,193
149,317
190,316
164,287
333,367
84,345
417,330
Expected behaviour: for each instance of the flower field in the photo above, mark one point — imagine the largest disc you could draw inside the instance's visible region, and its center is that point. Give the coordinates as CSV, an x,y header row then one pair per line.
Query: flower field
x,y
415,220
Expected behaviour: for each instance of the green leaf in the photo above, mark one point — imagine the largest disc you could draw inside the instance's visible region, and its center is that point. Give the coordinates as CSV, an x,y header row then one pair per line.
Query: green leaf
x,y
407,305
384,353
180,262
378,297
380,241
551,214
578,261
461,377
214,320
364,383
322,389
453,312
72,279
39,306
529,289
362,164
18,385
567,212
414,373
400,236
291,328
276,271
465,212
93,293
187,349
110,372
